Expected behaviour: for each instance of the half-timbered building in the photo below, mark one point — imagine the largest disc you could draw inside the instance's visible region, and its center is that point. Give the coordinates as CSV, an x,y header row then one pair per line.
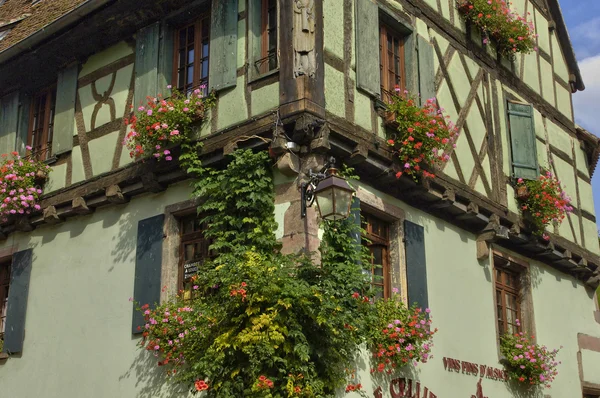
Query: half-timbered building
x,y
304,79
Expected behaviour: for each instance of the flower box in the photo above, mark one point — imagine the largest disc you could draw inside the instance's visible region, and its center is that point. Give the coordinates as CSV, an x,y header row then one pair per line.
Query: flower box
x,y
420,135
522,192
390,120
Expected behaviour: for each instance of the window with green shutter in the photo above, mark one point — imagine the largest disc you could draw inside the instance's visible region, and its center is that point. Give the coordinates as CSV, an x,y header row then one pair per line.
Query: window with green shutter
x,y
402,59
192,44
522,140
263,32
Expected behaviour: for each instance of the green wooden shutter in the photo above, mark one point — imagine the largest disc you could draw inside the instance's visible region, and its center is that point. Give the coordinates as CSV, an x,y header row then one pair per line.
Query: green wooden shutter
x,y
416,266
23,124
222,70
18,291
148,262
522,141
426,69
9,116
64,118
367,47
165,59
146,63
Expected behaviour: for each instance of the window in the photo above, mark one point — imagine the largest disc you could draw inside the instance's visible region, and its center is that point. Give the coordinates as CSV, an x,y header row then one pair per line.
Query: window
x,y
377,236
522,140
391,59
4,282
193,250
508,307
192,45
264,36
41,123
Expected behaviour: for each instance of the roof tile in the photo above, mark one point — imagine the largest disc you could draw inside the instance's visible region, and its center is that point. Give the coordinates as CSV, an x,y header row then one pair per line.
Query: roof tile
x,y
42,14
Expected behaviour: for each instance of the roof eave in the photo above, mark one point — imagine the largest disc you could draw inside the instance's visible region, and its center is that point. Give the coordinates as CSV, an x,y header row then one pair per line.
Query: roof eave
x,y
575,78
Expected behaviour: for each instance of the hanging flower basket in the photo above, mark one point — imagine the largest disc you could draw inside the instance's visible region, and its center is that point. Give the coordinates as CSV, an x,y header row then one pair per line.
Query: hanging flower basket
x,y
390,120
163,123
522,192
420,136
41,176
511,32
542,201
21,182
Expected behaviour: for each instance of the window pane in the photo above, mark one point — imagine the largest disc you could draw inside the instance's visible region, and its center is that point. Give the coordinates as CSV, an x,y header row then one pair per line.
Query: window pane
x,y
204,73
190,55
190,75
189,252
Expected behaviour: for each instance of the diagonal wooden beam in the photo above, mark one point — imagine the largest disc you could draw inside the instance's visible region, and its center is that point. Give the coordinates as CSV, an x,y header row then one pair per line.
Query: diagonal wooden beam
x,y
463,112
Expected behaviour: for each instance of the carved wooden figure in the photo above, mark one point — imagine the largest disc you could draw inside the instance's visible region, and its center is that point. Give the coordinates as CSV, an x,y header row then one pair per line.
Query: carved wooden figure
x,y
304,38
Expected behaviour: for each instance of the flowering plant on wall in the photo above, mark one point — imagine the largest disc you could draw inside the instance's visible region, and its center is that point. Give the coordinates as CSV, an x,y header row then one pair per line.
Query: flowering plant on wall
x,y
527,362
543,200
511,32
399,335
420,134
165,122
20,184
260,323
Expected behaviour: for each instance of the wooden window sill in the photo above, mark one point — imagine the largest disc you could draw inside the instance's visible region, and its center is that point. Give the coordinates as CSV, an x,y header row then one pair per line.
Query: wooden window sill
x,y
254,77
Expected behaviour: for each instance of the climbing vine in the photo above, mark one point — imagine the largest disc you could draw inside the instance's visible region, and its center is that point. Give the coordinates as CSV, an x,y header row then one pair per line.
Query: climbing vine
x,y
261,323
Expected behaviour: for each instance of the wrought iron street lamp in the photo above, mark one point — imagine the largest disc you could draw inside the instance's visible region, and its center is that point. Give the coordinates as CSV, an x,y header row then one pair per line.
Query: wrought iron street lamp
x,y
332,193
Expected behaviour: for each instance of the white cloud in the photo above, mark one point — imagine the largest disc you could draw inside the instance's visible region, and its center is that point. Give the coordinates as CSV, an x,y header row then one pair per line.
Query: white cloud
x,y
587,102
586,38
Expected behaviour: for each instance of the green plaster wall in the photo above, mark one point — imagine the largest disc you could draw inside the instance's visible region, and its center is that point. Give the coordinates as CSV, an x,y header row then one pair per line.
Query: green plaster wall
x,y
105,57
558,137
547,85
102,151
78,174
78,340
362,110
586,195
563,101
333,28
79,317
590,231
563,307
531,74
582,162
334,91
232,107
560,66
265,99
56,179
119,95
541,24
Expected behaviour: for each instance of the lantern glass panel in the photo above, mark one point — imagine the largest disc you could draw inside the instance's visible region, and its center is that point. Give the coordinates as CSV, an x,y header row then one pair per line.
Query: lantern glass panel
x,y
325,203
343,200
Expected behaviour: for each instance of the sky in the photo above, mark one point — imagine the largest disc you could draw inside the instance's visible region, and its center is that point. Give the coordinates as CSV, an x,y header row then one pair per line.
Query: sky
x,y
583,22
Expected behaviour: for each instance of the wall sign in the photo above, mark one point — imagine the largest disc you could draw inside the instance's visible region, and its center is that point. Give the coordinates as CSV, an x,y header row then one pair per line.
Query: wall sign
x,y
190,270
474,369
403,387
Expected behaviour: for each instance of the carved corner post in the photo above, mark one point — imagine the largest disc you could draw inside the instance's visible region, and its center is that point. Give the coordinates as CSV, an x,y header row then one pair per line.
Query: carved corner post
x,y
302,77
299,234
